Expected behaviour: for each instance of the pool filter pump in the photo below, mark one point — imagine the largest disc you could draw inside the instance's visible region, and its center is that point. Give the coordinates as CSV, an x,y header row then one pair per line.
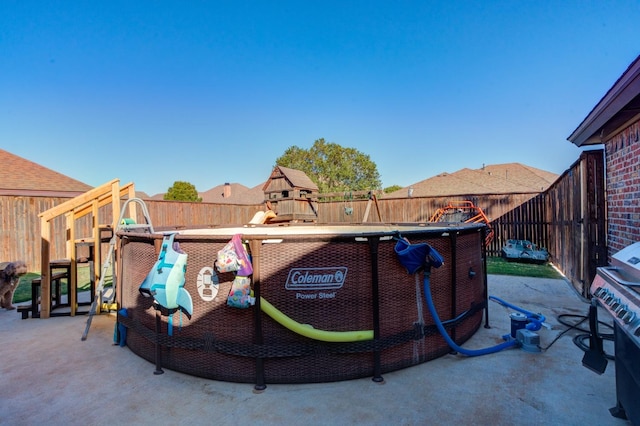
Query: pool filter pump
x,y
528,340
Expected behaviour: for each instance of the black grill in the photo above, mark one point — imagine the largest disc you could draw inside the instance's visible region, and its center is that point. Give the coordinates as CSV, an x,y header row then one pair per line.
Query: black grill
x,y
616,288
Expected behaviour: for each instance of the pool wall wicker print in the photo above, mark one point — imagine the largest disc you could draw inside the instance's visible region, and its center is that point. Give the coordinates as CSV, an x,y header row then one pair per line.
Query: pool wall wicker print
x,y
372,292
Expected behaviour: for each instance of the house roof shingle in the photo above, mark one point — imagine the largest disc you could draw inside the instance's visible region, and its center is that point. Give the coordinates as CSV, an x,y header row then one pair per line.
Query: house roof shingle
x,y
536,179
236,194
492,179
19,176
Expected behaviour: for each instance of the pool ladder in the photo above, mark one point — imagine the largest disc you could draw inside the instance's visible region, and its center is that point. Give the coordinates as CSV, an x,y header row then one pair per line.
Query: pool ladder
x,y
123,224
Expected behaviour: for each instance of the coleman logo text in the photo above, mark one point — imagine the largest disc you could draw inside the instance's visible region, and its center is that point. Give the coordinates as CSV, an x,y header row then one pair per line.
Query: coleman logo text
x,y
316,278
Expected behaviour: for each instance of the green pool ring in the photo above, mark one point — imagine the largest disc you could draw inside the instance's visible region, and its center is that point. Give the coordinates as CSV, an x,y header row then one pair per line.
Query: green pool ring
x,y
310,332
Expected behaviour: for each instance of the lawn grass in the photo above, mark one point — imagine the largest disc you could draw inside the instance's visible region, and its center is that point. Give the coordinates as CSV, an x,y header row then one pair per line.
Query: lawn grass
x,y
23,291
500,266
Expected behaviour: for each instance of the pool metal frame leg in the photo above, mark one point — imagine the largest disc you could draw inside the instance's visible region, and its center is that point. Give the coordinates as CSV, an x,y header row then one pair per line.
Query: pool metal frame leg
x,y
375,282
255,247
453,239
158,369
484,277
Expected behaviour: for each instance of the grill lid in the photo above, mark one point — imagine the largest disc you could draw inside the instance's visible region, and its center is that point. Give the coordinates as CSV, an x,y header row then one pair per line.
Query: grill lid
x,y
627,262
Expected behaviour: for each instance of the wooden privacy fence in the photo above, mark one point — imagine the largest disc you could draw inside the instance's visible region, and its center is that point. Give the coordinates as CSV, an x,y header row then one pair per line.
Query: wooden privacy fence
x,y
576,216
568,219
527,221
20,233
20,228
415,209
21,225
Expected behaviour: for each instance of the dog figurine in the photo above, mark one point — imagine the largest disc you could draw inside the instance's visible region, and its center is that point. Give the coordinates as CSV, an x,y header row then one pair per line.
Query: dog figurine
x,y
10,273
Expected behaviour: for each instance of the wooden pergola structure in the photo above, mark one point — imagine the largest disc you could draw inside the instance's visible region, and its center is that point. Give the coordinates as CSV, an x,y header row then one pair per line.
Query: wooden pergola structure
x,y
110,193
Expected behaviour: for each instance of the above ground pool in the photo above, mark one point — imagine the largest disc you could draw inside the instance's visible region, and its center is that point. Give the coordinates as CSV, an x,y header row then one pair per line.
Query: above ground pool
x,y
332,302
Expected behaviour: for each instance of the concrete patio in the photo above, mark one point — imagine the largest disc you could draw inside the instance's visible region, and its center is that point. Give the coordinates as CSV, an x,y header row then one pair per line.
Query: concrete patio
x,y
50,376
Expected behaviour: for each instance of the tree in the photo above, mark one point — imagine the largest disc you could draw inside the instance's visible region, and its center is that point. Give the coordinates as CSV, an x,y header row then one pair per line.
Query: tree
x,y
392,188
182,191
332,167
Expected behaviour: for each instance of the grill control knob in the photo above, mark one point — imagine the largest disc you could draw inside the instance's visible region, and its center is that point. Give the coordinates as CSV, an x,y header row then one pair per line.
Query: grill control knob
x,y
599,291
628,317
637,332
622,310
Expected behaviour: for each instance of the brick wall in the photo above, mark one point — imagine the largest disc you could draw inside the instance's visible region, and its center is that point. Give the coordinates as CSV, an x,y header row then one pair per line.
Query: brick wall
x,y
623,188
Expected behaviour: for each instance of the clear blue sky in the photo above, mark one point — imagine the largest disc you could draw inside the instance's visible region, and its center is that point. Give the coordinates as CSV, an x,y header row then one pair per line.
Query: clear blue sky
x,y
214,92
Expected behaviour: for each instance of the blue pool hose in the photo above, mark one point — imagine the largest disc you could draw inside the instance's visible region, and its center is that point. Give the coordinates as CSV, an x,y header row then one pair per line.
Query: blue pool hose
x,y
445,335
434,259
